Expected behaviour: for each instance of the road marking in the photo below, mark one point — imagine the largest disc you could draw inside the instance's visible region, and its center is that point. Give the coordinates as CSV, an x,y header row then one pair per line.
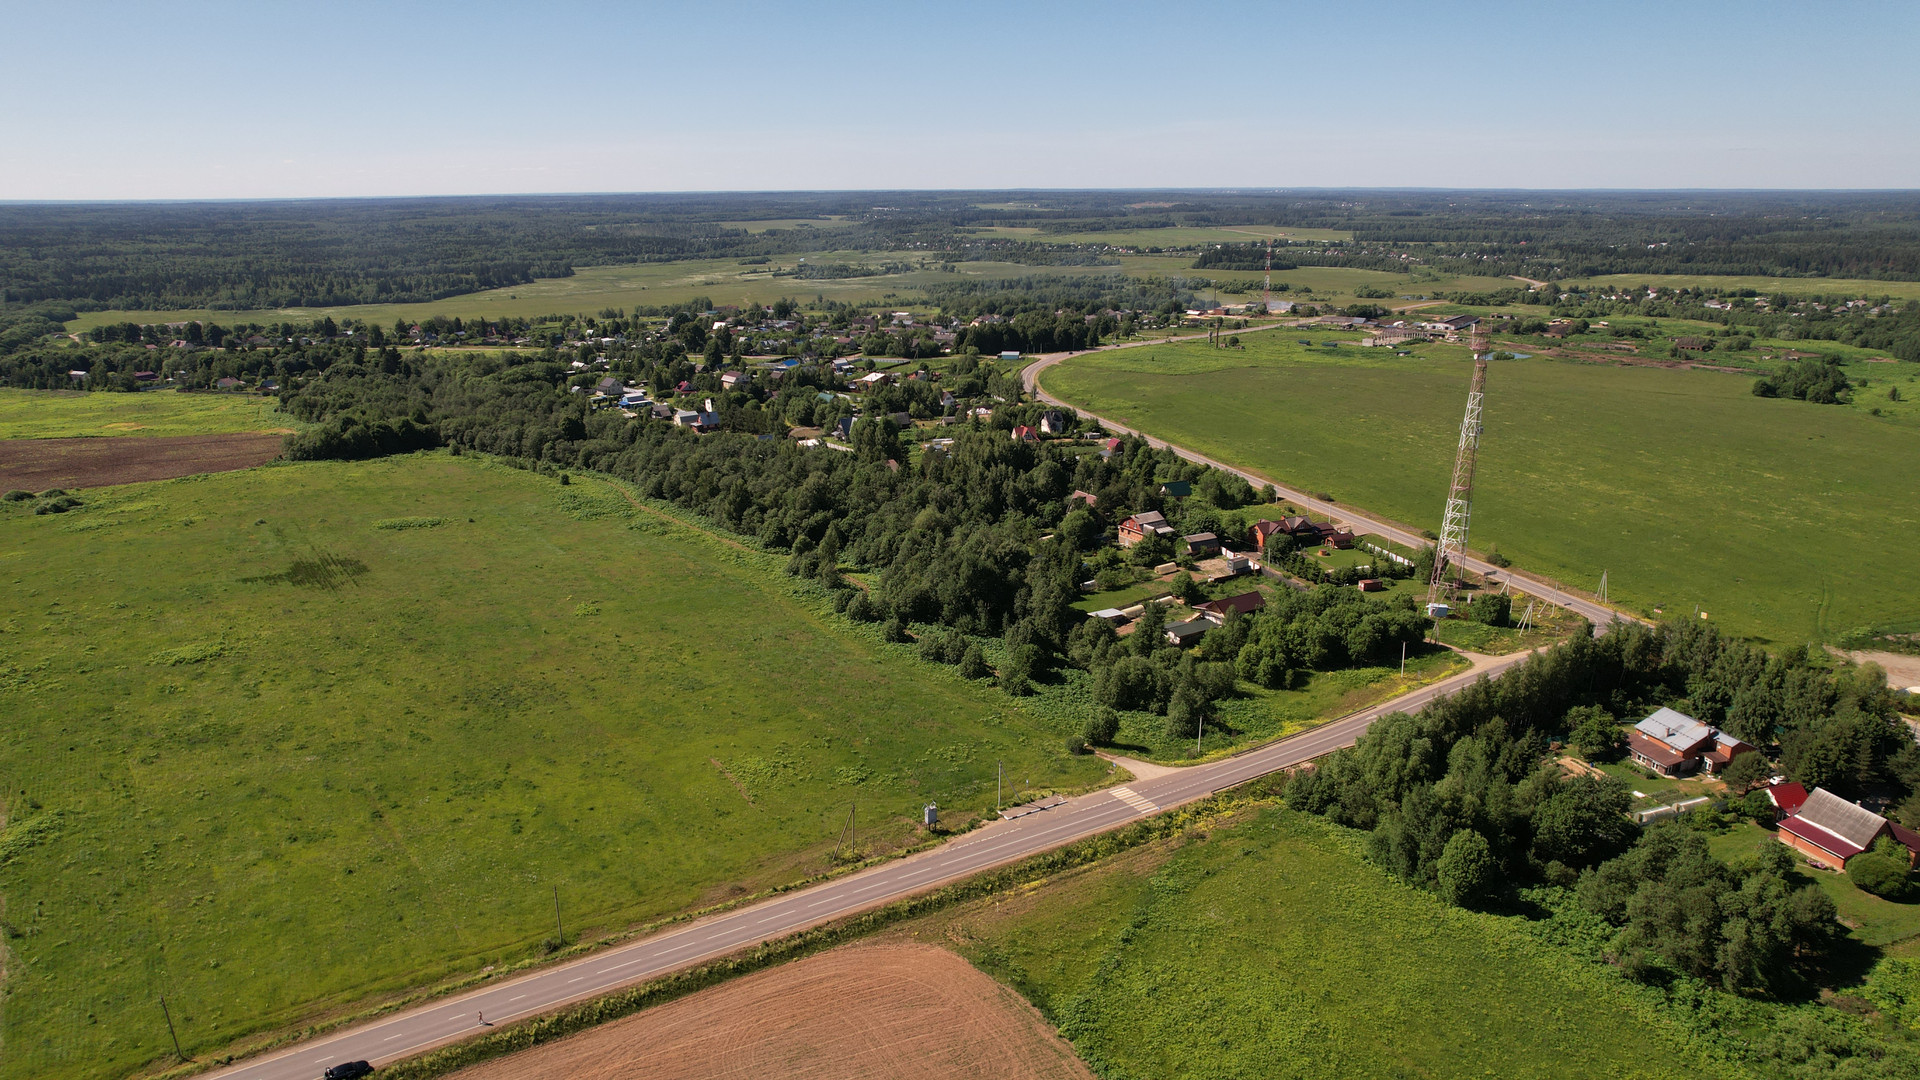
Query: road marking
x,y
390,1038
511,1000
583,978
1134,799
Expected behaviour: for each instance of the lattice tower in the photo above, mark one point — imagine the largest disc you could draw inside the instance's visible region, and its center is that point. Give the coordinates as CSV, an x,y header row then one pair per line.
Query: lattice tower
x,y
1453,528
1266,295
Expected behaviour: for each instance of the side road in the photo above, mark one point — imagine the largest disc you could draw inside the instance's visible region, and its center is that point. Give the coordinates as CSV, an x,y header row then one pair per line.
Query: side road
x,y
1594,612
1001,842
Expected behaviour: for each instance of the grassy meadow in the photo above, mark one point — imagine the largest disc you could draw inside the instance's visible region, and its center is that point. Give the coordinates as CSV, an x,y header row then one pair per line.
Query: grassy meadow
x,y
286,739
67,414
1783,521
1769,286
592,289
1265,947
1175,236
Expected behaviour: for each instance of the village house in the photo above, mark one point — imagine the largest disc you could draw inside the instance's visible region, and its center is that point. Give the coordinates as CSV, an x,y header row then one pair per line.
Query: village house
x,y
1675,744
1054,422
1023,433
733,380
1140,526
1109,448
1829,830
1262,531
1245,603
1085,498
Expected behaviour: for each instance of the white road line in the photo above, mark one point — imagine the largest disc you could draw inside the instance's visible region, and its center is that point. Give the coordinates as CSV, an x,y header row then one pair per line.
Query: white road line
x,y
390,1038
511,1000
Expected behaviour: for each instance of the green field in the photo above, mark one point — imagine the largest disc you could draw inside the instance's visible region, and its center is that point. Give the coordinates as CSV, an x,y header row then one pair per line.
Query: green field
x,y
66,414
834,221
1175,236
1266,948
1781,520
1770,286
594,288
289,738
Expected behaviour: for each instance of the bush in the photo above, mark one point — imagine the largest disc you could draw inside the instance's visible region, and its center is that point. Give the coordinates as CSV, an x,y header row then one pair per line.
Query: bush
x,y
1103,728
16,495
1881,871
973,665
1492,609
1466,872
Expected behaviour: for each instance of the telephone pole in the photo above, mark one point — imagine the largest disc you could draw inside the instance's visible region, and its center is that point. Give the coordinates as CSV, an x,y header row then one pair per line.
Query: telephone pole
x,y
559,932
168,1013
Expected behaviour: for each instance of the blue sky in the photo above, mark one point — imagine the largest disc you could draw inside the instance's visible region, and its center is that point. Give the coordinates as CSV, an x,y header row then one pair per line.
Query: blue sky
x,y
189,100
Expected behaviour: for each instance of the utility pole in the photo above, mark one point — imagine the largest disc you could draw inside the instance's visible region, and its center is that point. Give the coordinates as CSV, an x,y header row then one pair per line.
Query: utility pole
x,y
1403,658
168,1013
559,932
1200,731
999,781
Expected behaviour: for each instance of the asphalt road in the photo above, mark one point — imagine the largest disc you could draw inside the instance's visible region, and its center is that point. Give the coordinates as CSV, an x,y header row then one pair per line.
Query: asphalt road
x,y
1594,612
411,1032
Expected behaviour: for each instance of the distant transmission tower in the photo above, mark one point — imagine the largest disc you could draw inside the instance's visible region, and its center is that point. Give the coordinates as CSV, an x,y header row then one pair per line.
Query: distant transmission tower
x,y
1266,295
1453,530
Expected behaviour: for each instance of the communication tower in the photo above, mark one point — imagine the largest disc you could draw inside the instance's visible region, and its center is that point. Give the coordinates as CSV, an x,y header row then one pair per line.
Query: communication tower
x,y
1266,294
1453,529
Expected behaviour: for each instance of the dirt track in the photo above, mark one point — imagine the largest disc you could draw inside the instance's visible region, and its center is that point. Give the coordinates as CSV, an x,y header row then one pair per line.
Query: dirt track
x,y
39,464
863,1012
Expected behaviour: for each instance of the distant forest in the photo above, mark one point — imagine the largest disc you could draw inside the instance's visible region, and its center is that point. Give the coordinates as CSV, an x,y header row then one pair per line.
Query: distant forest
x,y
251,255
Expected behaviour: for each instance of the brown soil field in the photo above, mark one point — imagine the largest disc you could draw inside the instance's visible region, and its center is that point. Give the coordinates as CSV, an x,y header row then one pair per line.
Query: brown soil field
x,y
861,1012
39,464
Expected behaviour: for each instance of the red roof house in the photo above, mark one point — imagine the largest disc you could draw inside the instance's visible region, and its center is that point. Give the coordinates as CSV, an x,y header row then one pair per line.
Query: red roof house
x,y
1787,797
1829,830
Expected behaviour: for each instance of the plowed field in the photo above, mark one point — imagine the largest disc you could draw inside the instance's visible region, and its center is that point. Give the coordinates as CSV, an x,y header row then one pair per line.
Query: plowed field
x,y
865,1012
39,464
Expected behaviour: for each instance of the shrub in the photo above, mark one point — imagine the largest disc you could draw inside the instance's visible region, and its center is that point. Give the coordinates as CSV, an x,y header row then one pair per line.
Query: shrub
x,y
16,495
1104,727
973,665
1465,874
1492,609
1881,871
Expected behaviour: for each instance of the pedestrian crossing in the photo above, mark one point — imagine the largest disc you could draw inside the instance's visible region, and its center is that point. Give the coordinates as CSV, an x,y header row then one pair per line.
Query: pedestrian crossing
x,y
1134,799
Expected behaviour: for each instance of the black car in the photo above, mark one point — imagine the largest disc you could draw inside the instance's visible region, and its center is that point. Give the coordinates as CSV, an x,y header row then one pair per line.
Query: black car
x,y
350,1070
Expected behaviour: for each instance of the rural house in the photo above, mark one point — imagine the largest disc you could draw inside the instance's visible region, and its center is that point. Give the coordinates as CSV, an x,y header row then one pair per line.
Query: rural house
x,y
1829,830
1675,744
1140,526
1053,423
1085,498
1246,604
1023,433
1262,532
